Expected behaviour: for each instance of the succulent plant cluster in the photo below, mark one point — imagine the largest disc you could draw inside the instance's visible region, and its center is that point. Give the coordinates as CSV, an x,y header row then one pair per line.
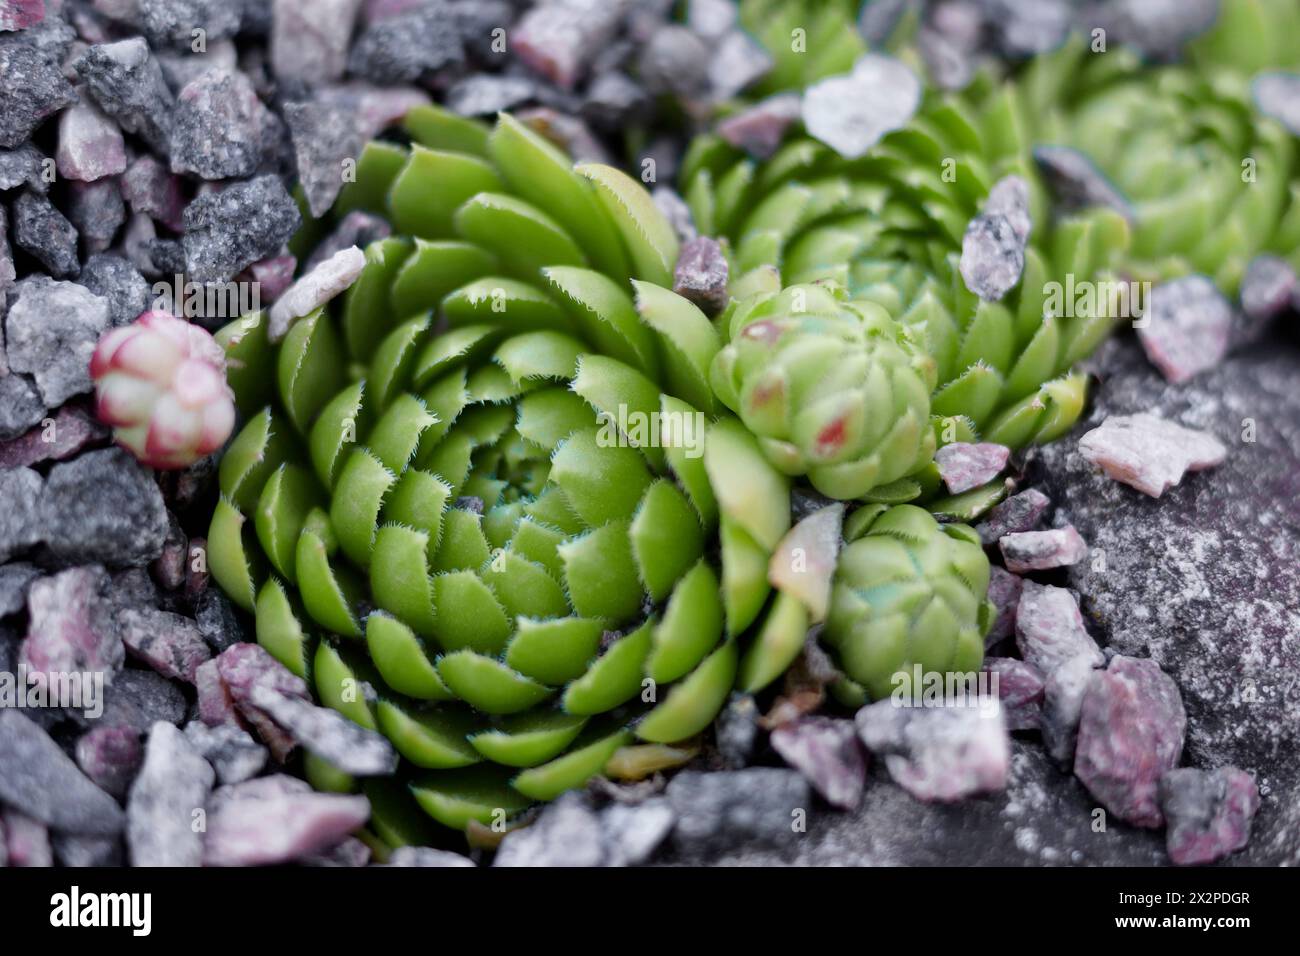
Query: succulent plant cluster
x,y
518,506
444,492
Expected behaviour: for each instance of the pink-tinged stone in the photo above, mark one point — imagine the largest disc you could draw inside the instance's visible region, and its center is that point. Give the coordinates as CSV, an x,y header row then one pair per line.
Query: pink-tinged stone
x,y
21,14
152,190
245,666
170,644
964,465
110,757
273,276
386,9
260,788
701,274
1041,550
760,129
26,841
90,144
1049,628
1063,705
851,113
1130,734
309,39
1149,453
827,752
939,754
171,788
342,743
169,567
70,430
1207,812
558,40
1186,327
313,290
216,706
71,627
1020,690
1018,513
279,829
1004,592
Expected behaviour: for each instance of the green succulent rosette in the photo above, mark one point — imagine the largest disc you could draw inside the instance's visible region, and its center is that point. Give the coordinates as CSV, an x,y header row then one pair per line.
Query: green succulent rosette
x,y
909,592
450,491
889,227
1210,180
833,389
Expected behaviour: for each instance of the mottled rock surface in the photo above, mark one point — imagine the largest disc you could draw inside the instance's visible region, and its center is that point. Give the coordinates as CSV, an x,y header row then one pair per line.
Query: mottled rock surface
x,y
1205,580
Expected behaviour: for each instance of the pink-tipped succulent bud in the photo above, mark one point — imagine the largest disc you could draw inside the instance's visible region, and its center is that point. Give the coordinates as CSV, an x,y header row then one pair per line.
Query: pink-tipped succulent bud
x,y
160,382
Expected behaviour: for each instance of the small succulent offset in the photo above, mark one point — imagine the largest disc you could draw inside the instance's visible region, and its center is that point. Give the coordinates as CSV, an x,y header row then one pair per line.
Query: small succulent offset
x,y
908,592
160,383
495,490
833,389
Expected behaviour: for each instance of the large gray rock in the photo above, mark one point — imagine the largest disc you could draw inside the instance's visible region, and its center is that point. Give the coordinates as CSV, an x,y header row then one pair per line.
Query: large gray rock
x,y
1205,580
1043,817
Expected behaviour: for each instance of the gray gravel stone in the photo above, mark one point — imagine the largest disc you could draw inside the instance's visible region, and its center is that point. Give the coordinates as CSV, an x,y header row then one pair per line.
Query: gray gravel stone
x,y
172,22
139,698
22,165
343,744
96,211
104,507
127,83
217,620
566,833
45,233
232,752
634,831
227,231
759,806
427,857
31,90
50,332
173,782
218,127
408,47
118,283
20,405
324,134
20,526
73,850
40,780
15,578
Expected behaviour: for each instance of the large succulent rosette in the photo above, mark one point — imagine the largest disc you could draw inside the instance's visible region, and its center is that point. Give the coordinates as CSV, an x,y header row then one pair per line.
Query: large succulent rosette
x,y
484,502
